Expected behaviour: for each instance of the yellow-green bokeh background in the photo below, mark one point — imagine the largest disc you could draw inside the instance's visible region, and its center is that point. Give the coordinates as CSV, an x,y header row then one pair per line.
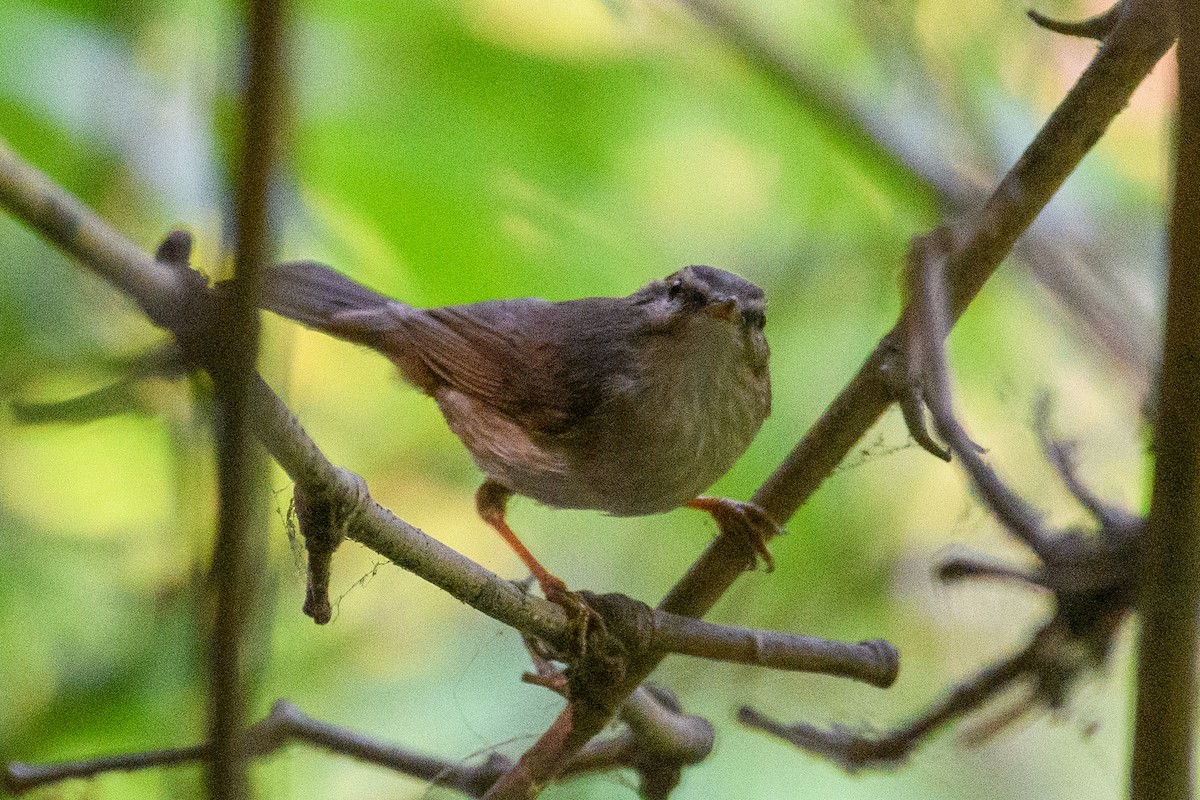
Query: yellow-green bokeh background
x,y
452,150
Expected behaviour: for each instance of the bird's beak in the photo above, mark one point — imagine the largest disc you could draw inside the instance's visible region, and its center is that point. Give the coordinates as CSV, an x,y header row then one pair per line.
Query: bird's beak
x,y
725,310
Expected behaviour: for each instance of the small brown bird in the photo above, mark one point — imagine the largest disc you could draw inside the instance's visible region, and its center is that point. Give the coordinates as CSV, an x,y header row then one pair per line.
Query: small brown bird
x,y
628,405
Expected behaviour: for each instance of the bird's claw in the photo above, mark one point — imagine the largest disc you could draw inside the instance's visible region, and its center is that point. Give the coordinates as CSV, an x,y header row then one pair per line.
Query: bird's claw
x,y
903,386
582,616
746,520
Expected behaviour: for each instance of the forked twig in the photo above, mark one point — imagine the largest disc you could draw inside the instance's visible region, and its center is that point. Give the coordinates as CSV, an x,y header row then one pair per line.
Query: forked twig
x,y
1092,578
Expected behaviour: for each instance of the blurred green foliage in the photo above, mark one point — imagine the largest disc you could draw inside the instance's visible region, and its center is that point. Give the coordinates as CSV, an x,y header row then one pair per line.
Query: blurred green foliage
x,y
453,150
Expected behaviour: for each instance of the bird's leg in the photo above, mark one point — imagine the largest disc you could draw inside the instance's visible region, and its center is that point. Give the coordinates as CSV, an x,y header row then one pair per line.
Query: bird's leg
x,y
744,519
490,501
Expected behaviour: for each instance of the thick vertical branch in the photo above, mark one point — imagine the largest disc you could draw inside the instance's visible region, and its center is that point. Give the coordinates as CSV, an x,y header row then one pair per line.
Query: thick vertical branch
x,y
1170,571
240,546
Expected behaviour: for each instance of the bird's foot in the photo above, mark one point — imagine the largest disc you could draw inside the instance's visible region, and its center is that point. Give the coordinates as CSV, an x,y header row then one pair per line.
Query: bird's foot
x,y
581,615
743,519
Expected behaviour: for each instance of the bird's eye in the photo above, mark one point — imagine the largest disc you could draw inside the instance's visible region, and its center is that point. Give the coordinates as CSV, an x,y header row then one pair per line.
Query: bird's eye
x,y
754,319
674,290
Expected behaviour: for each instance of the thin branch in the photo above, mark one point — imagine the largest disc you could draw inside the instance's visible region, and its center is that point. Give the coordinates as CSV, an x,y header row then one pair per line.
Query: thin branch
x,y
19,778
855,751
931,326
961,568
1061,455
285,724
1097,27
1163,748
875,662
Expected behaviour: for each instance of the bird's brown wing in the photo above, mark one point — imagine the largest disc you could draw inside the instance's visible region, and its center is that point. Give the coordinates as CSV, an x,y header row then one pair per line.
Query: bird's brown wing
x,y
542,364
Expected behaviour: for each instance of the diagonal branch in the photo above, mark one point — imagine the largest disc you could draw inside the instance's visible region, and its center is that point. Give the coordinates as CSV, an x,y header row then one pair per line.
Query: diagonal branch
x,y
168,295
1142,35
1101,306
1090,576
81,233
1061,455
84,235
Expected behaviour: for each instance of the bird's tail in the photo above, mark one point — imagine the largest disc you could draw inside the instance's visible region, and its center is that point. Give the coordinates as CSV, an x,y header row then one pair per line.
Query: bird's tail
x,y
316,296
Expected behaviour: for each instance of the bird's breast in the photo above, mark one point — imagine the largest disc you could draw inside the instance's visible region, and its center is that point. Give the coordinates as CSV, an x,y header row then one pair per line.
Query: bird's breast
x,y
679,423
